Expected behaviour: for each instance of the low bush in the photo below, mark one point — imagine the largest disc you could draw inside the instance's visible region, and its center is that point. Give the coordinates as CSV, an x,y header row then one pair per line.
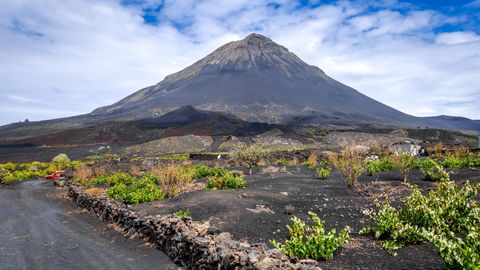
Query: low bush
x,y
283,162
435,172
182,213
323,173
143,190
228,180
424,163
112,179
312,242
201,170
448,217
383,165
461,161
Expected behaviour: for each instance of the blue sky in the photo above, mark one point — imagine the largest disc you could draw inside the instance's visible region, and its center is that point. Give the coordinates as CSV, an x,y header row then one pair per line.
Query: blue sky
x,y
63,58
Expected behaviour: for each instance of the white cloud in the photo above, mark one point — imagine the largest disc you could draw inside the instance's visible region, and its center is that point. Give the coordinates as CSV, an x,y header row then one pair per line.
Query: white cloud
x,y
80,55
453,38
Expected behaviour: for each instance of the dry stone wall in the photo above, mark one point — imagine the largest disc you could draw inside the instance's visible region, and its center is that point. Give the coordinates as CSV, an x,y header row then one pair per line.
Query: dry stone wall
x,y
188,243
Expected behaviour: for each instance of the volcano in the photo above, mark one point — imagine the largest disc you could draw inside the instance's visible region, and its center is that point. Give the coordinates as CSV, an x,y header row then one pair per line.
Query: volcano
x,y
259,80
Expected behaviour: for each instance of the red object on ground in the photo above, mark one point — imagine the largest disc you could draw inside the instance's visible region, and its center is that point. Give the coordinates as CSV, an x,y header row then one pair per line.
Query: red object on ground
x,y
52,176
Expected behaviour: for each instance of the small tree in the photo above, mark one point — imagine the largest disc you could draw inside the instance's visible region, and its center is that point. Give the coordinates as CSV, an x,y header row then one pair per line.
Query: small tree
x,y
404,162
350,162
61,158
249,156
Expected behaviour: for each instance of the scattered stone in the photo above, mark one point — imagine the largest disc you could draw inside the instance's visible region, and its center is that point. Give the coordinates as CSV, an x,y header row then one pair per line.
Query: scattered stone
x,y
261,209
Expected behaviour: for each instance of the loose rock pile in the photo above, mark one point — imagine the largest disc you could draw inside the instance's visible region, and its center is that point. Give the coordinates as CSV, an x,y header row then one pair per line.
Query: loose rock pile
x,y
188,243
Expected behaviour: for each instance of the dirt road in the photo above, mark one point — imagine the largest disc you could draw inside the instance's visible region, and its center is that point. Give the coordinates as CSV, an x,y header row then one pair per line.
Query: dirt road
x,y
40,231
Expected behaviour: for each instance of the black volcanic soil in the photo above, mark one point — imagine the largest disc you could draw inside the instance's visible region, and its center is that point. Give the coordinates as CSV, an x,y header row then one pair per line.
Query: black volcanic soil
x,y
256,213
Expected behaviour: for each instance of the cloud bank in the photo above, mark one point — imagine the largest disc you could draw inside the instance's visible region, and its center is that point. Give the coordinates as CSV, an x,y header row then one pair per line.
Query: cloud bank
x,y
63,58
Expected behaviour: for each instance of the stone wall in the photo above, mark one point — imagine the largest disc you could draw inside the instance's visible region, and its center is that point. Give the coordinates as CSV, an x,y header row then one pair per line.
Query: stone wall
x,y
190,244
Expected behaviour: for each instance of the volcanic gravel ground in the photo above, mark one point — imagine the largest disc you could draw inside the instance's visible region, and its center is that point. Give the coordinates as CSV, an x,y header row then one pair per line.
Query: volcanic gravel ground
x,y
257,213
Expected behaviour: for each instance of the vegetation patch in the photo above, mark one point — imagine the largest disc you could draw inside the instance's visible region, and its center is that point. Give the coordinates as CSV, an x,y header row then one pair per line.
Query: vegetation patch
x,y
182,213
448,217
143,190
312,242
229,180
10,172
383,165
323,173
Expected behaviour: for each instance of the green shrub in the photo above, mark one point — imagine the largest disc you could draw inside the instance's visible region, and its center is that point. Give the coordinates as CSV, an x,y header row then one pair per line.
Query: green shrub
x,y
323,173
461,161
143,190
182,213
227,181
308,164
435,172
383,165
201,170
312,242
424,164
103,157
283,162
112,179
448,217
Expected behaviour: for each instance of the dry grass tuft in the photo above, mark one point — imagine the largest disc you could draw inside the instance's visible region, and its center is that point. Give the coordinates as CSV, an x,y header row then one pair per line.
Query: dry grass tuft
x,y
173,178
313,159
350,162
97,171
83,174
95,191
135,171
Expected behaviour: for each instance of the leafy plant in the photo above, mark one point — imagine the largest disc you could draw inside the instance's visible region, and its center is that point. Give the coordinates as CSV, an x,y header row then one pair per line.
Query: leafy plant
x,y
323,173
435,172
112,179
448,217
283,162
405,161
383,165
182,213
228,180
461,161
143,190
312,242
249,156
201,170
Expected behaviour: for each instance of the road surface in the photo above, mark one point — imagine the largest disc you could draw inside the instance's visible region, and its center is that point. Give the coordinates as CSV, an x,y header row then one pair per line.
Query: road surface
x,y
40,230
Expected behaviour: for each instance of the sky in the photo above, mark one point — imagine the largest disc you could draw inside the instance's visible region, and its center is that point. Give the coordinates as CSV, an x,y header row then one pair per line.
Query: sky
x,y
67,57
